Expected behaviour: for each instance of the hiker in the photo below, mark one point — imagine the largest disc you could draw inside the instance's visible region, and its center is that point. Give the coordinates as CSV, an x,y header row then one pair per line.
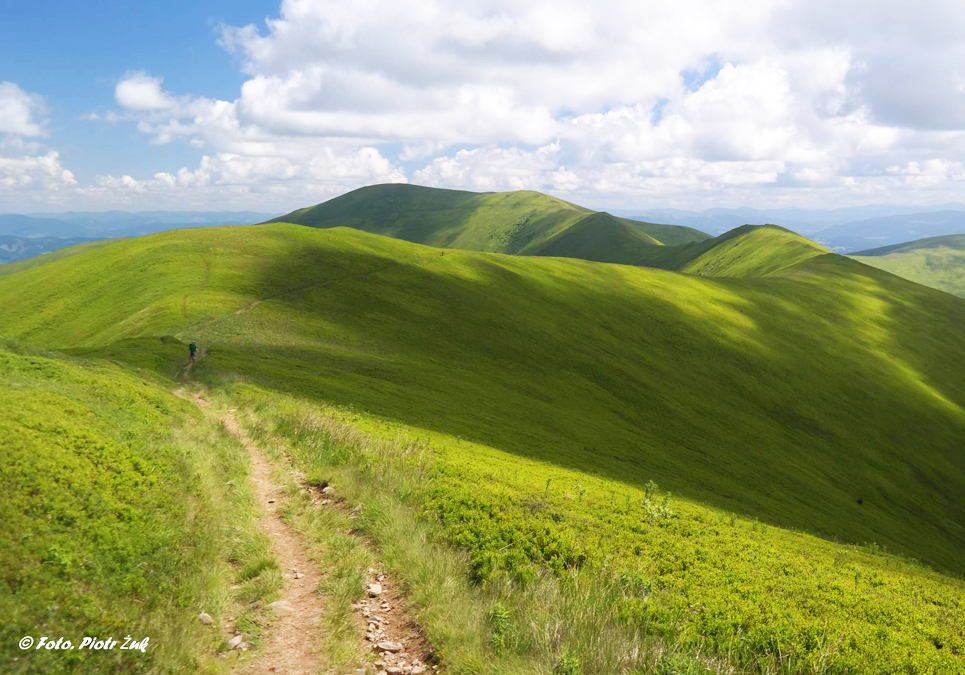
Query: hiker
x,y
194,351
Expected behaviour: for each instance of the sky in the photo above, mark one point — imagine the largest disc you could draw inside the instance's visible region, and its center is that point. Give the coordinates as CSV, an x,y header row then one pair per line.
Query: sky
x,y
691,104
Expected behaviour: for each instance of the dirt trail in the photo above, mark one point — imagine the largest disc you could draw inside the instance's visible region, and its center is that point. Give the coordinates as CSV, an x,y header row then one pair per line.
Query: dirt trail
x,y
290,648
291,645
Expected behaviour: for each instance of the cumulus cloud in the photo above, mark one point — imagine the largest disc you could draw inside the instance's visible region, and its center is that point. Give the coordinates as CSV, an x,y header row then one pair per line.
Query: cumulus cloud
x,y
140,91
690,103
34,172
29,173
18,111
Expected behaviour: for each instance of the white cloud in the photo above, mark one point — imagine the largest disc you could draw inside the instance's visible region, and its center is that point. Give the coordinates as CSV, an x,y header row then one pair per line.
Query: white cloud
x,y
18,111
492,169
690,103
139,91
29,173
38,174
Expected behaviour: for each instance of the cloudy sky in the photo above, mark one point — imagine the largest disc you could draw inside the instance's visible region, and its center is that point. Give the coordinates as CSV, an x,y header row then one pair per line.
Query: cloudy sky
x,y
686,103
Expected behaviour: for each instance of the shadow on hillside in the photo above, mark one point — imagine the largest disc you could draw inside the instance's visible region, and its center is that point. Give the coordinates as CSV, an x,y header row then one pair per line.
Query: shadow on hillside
x,y
786,398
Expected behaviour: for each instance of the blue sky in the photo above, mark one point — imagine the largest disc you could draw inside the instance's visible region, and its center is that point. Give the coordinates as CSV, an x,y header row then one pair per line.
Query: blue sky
x,y
276,105
74,53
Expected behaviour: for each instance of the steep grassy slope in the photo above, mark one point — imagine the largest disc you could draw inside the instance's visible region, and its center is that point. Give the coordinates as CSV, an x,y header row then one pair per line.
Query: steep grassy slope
x,y
602,238
521,222
650,583
746,251
116,519
752,251
938,262
826,397
627,372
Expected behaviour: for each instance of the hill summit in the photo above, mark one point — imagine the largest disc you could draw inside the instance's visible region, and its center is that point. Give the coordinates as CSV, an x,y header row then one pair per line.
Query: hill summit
x,y
520,223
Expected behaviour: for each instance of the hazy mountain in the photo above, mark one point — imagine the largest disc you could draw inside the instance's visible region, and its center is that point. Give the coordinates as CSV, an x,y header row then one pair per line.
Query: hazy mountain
x,y
890,230
19,248
32,226
805,221
109,224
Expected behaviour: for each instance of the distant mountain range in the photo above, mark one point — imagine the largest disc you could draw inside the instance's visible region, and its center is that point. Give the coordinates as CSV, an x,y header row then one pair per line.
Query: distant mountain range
x,y
19,248
844,230
23,236
891,230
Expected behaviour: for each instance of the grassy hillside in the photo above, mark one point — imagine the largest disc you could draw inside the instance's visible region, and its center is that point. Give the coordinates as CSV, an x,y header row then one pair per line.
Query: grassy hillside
x,y
938,262
116,518
752,251
10,268
746,251
633,373
523,223
603,238
825,397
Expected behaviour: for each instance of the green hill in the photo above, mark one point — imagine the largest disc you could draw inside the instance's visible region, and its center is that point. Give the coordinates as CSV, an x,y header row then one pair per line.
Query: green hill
x,y
653,361
752,251
796,387
602,238
938,262
521,223
10,268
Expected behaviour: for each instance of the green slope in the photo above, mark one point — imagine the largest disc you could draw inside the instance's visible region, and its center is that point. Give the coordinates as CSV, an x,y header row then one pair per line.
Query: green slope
x,y
689,380
520,223
747,251
66,252
752,251
116,518
826,397
602,238
938,262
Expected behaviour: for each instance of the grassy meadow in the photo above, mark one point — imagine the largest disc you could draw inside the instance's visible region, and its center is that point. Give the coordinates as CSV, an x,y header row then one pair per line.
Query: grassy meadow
x,y
717,464
125,513
938,262
639,581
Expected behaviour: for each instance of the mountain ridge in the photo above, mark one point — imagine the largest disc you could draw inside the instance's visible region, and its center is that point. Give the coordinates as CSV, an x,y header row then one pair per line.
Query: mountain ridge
x,y
519,223
937,262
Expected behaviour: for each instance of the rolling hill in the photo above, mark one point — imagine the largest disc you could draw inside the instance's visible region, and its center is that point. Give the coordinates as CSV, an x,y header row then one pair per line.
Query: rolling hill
x,y
747,251
728,361
774,384
521,223
938,262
